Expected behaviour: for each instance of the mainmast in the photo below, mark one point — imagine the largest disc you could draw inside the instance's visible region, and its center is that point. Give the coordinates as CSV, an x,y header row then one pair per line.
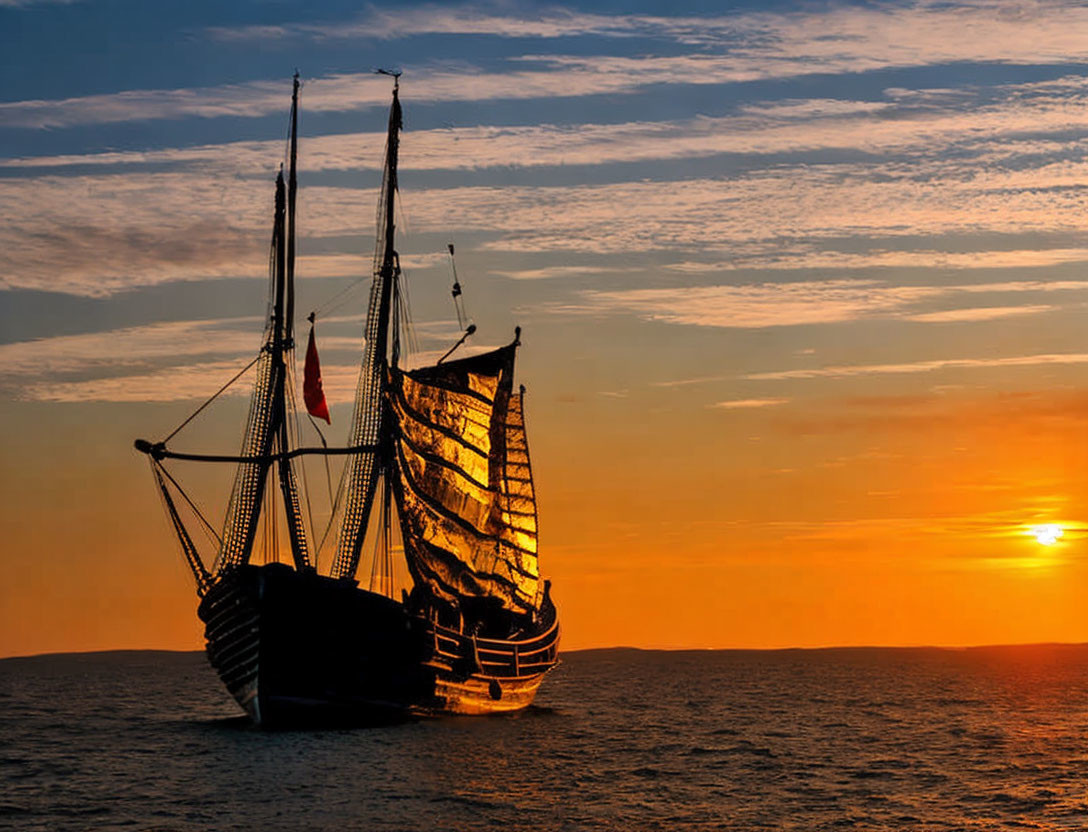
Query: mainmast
x,y
363,470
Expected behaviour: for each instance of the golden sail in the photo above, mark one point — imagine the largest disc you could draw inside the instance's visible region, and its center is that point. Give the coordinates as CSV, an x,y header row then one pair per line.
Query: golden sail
x,y
464,485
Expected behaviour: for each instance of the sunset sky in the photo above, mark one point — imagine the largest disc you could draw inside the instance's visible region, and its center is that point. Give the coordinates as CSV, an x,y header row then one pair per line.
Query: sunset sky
x,y
802,290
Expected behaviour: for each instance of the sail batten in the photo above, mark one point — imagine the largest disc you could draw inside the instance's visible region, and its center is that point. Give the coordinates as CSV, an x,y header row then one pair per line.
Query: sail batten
x,y
506,535
464,418
424,463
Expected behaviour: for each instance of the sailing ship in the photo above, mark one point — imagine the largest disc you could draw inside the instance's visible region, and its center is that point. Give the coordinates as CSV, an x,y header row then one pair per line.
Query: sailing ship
x,y
438,453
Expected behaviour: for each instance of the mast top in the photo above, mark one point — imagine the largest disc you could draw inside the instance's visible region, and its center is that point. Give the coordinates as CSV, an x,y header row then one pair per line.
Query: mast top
x,y
392,73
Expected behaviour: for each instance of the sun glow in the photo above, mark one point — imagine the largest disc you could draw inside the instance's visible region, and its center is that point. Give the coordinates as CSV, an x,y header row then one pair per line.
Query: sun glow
x,y
1047,534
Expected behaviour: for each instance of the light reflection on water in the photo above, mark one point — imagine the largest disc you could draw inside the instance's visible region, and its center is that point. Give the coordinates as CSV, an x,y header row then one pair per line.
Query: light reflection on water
x,y
863,739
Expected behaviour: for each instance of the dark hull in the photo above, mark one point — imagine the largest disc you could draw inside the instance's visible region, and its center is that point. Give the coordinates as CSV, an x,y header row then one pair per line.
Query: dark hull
x,y
297,648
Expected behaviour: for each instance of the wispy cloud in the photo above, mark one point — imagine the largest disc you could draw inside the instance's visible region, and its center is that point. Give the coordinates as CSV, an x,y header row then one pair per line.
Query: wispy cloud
x,y
174,384
904,34
550,272
542,145
117,352
142,229
95,235
179,360
335,93
775,206
983,313
753,46
196,381
192,381
688,382
849,370
130,346
987,127
979,164
798,257
749,306
447,20
745,404
764,304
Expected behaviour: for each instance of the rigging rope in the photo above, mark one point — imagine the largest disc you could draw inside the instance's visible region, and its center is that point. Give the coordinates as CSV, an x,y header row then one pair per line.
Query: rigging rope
x,y
324,444
207,526
333,517
293,402
335,302
404,309
216,395
189,550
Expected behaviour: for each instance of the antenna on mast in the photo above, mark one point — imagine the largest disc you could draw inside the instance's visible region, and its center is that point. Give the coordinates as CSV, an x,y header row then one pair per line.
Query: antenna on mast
x,y
392,73
458,298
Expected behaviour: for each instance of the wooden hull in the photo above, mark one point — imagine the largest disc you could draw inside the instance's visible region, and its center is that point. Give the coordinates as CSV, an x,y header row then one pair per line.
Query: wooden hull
x,y
297,649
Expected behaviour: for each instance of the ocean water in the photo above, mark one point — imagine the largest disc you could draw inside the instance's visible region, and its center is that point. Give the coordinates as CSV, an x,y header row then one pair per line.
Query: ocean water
x,y
989,738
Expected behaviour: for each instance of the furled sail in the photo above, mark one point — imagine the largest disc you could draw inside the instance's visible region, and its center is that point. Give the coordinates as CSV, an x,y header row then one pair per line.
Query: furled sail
x,y
463,483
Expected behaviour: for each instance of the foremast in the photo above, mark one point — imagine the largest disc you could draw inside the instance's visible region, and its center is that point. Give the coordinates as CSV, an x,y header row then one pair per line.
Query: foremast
x,y
363,470
267,429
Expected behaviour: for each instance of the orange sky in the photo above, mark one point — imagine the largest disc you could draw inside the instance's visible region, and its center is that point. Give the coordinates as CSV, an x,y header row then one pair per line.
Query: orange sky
x,y
891,520
802,295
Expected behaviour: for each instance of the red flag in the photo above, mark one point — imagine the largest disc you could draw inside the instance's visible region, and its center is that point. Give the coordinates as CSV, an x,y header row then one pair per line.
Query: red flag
x,y
312,393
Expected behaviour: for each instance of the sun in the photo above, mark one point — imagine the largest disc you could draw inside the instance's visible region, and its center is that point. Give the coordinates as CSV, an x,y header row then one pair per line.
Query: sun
x,y
1047,534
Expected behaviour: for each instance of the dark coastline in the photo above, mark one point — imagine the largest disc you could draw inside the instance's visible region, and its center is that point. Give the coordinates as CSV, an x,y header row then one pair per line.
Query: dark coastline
x,y
589,651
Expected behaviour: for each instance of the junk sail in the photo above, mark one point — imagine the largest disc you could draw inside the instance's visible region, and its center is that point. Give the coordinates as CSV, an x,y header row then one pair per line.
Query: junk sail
x,y
443,450
464,487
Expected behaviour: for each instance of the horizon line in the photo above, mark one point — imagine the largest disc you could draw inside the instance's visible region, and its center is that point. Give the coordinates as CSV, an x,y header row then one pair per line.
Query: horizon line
x,y
630,648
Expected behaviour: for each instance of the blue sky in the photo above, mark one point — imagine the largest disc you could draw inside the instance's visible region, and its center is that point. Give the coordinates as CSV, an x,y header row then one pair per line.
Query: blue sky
x,y
647,164
776,231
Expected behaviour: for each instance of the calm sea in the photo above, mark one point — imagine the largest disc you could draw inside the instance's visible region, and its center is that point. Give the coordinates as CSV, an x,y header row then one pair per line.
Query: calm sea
x,y
992,738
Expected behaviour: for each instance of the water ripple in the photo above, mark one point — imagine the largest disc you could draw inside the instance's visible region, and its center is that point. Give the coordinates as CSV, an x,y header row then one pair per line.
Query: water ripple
x,y
793,740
